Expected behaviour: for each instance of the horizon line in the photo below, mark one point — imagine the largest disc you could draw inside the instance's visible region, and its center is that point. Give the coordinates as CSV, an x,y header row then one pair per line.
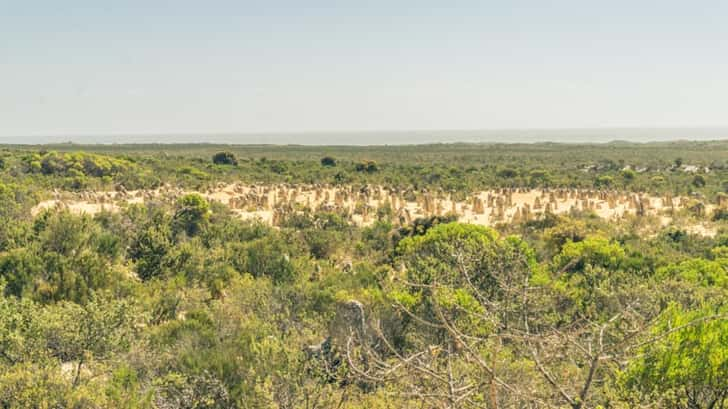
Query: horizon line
x,y
384,130
394,137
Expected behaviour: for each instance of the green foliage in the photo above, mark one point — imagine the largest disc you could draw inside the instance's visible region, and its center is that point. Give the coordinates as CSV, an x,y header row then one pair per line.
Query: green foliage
x,y
460,167
452,265
567,230
507,173
720,215
193,173
93,331
706,273
76,164
604,181
699,181
629,175
688,368
178,302
191,215
539,177
49,347
32,386
268,257
593,251
328,161
420,226
149,250
224,158
368,166
592,280
192,392
68,258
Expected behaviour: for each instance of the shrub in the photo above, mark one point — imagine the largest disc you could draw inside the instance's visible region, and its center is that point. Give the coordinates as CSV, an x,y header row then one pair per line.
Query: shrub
x,y
192,214
628,174
604,181
224,158
507,173
720,214
699,181
368,166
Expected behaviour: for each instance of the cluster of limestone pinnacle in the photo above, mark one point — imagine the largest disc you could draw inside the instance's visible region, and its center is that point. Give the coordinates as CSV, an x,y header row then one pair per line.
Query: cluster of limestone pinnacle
x,y
364,204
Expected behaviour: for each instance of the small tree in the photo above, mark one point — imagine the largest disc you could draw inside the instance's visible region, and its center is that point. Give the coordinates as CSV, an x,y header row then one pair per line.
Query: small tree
x,y
493,326
628,175
79,334
507,173
224,158
604,181
688,366
699,181
368,166
328,161
192,214
148,250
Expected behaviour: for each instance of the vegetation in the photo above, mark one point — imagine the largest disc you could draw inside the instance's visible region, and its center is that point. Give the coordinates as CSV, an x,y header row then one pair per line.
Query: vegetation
x,y
224,158
180,303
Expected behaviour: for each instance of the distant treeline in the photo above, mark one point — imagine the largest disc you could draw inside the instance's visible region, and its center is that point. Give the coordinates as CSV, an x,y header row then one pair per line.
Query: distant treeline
x,y
679,167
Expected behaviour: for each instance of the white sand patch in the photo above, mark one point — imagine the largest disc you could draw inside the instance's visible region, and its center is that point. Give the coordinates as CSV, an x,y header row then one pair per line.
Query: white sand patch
x,y
77,207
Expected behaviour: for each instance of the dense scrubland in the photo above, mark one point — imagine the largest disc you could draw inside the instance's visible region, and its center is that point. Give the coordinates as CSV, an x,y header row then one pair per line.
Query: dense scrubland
x,y
179,303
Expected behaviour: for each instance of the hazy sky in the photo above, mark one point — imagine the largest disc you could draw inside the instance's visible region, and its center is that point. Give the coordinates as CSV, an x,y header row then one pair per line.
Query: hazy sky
x,y
148,66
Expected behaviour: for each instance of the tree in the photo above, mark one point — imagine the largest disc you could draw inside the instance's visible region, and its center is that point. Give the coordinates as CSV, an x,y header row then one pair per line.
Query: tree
x,y
36,386
191,215
21,338
368,166
461,288
268,257
698,181
177,391
628,175
20,269
604,181
687,365
224,158
35,339
482,322
149,249
507,173
81,334
328,161
68,258
567,230
539,177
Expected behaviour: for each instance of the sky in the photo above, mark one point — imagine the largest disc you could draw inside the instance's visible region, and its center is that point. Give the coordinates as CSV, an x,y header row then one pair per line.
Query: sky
x,y
133,67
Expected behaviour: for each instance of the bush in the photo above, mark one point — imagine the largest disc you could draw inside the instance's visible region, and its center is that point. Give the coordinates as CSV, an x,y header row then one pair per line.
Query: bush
x,y
507,173
628,174
368,166
604,181
328,161
192,214
224,158
699,181
539,177
720,214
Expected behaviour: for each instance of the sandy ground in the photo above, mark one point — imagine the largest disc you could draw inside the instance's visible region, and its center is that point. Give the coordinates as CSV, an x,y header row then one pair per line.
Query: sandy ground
x,y
268,202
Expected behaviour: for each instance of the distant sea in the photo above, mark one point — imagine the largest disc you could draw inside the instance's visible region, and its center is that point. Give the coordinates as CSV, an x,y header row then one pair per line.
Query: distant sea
x,y
573,135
